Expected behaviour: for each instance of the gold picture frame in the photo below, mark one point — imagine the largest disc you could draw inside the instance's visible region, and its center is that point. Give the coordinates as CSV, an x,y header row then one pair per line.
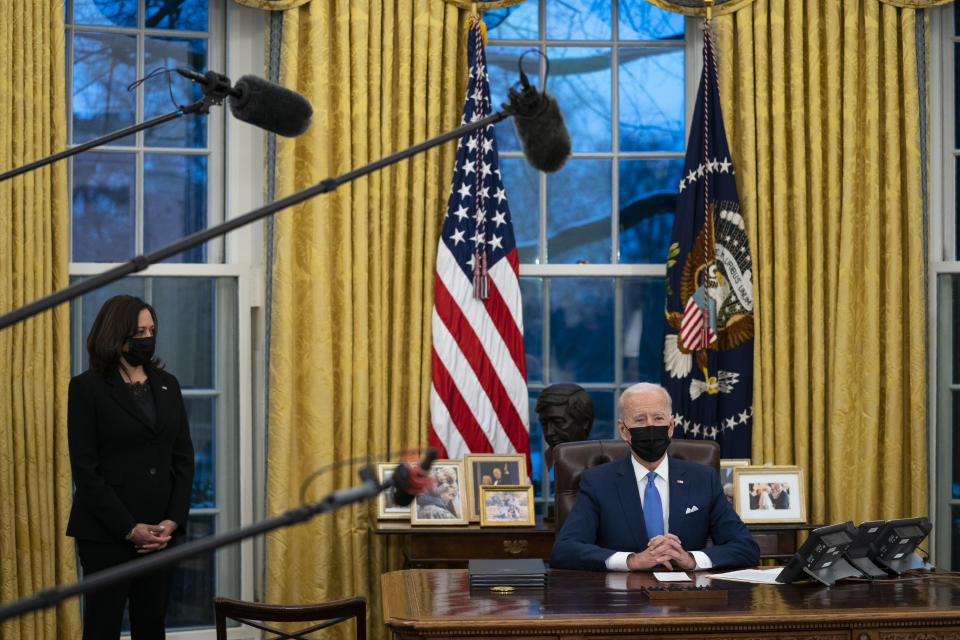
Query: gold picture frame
x,y
769,494
444,504
387,509
513,470
507,506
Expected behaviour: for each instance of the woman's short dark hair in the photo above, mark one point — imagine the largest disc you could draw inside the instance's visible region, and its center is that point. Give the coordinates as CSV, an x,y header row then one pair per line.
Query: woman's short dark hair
x,y
117,321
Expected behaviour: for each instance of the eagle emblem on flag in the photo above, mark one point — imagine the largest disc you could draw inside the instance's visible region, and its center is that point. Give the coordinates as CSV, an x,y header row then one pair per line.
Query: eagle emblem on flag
x,y
717,285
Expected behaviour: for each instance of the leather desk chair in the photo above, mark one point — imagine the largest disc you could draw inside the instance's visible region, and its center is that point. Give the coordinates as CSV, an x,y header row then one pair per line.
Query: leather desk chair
x,y
571,458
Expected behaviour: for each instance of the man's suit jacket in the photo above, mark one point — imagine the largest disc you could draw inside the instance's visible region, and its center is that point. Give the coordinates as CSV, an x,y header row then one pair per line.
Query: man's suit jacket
x,y
608,517
125,470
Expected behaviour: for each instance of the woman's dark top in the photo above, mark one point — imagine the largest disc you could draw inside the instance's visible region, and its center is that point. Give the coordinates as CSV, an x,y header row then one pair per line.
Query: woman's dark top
x,y
143,396
131,457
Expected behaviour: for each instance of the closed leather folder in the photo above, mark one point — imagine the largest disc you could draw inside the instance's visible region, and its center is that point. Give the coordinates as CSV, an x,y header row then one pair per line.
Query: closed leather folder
x,y
519,572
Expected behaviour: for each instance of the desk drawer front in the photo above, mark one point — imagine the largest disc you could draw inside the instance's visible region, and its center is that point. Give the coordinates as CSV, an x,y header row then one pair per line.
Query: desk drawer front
x,y
463,547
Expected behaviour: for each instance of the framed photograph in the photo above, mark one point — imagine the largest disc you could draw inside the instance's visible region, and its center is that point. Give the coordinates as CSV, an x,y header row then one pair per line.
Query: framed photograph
x,y
387,508
726,474
769,494
444,503
493,469
506,506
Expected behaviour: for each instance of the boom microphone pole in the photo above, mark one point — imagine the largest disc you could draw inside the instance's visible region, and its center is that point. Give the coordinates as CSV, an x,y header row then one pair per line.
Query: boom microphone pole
x,y
405,484
540,127
252,99
141,262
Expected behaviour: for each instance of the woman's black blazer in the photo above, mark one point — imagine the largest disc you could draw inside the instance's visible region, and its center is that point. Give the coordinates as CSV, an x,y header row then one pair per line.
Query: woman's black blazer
x,y
125,470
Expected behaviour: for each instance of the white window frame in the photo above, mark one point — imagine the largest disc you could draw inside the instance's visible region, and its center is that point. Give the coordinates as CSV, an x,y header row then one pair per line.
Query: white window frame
x,y
940,242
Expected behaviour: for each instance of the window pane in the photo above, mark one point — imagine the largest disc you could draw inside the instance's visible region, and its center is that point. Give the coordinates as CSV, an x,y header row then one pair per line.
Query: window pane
x,y
519,22
955,418
104,64
579,20
651,99
531,290
185,328
536,445
954,325
103,206
642,323
110,13
189,130
522,184
503,71
580,81
87,306
648,199
184,15
640,20
956,93
604,419
581,330
952,254
192,593
174,203
955,538
578,218
200,413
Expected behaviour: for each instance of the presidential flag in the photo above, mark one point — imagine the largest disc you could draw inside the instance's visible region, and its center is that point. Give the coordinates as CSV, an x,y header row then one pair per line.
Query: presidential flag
x,y
478,400
708,331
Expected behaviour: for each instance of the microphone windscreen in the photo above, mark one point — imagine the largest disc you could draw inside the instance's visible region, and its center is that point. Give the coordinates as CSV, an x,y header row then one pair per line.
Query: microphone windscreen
x,y
400,481
270,106
544,136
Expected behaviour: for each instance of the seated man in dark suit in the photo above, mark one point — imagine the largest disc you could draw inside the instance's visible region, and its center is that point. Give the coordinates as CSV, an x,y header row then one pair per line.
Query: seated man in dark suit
x,y
621,523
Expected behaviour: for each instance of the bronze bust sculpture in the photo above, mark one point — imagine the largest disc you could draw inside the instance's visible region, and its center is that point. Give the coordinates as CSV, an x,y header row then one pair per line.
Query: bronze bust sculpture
x,y
566,415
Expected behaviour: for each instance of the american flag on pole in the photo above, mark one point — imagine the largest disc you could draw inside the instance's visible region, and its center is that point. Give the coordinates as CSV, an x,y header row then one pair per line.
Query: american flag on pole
x,y
708,332
478,400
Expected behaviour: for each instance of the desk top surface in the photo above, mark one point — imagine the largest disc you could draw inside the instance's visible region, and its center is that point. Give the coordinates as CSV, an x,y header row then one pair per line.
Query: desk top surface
x,y
439,596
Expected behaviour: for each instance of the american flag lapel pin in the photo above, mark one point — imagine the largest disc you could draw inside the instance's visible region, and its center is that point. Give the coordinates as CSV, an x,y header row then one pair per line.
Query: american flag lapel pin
x,y
163,387
678,481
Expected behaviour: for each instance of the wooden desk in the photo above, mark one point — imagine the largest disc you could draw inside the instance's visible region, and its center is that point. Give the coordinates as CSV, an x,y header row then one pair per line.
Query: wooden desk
x,y
438,603
428,546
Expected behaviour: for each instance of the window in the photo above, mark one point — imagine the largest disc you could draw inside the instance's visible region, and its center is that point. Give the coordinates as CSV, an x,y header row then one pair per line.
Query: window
x,y
198,341
944,296
148,189
141,193
593,237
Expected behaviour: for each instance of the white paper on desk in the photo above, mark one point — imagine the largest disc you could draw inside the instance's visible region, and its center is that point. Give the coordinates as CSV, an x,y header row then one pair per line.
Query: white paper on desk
x,y
671,576
758,576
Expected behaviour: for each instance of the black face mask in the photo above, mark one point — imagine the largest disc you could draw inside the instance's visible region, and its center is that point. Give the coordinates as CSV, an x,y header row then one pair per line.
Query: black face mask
x,y
650,443
140,351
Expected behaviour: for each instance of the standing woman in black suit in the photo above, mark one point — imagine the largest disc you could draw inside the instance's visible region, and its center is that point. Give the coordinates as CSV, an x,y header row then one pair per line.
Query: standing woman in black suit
x,y
132,462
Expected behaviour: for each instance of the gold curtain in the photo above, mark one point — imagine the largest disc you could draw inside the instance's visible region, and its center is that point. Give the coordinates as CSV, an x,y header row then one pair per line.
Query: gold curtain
x,y
352,284
35,483
821,105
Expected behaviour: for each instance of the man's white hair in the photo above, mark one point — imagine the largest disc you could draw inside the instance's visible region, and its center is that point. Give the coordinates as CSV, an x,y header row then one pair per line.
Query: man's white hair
x,y
644,387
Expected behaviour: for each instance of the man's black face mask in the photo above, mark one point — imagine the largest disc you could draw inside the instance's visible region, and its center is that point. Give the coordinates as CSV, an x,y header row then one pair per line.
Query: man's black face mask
x,y
650,443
